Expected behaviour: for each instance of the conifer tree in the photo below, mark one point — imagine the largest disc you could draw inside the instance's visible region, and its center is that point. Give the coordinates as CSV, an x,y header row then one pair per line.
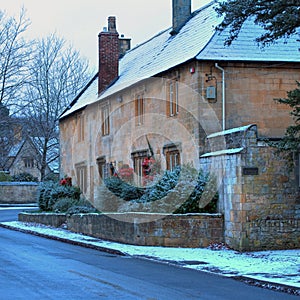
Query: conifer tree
x,y
291,140
280,19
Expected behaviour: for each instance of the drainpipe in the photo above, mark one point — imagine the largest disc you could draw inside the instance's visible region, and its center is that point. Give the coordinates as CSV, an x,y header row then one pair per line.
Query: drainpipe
x,y
223,95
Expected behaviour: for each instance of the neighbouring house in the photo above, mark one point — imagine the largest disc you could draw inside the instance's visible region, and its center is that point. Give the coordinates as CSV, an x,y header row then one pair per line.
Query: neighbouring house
x,y
188,98
25,157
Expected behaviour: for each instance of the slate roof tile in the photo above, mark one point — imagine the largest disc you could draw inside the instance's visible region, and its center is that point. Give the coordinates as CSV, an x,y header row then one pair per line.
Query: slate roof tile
x,y
197,39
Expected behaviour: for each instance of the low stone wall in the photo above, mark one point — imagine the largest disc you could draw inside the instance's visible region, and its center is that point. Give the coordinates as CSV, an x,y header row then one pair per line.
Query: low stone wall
x,y
18,192
273,234
55,220
191,230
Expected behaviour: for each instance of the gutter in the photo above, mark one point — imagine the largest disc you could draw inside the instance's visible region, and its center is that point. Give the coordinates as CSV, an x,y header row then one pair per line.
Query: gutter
x,y
223,97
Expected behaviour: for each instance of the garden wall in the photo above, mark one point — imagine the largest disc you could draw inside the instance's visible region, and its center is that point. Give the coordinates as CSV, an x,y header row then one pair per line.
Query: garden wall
x,y
49,219
18,192
258,191
191,230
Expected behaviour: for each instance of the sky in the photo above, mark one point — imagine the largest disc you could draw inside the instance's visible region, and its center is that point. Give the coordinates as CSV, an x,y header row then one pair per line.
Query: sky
x,y
80,21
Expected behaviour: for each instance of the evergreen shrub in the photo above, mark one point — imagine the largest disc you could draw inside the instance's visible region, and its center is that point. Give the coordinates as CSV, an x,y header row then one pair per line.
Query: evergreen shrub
x,y
63,204
123,189
24,177
50,192
73,206
191,188
4,177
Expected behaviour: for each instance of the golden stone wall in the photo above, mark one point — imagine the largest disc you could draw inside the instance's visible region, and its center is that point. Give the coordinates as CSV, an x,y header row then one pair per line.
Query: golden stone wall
x,y
250,90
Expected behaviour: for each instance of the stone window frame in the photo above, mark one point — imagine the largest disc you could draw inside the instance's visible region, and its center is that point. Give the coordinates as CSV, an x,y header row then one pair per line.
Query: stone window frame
x,y
28,162
105,119
80,126
138,159
103,167
172,153
172,97
81,176
139,104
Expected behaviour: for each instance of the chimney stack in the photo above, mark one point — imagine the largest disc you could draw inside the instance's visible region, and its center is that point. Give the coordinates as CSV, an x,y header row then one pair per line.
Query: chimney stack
x,y
124,45
108,55
182,10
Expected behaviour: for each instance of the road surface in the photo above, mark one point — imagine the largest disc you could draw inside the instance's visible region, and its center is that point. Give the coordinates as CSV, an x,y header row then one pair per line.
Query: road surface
x,y
32,267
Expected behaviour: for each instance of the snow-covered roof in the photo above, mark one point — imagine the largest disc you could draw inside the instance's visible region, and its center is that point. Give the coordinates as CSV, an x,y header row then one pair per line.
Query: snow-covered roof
x,y
223,152
164,51
89,96
232,130
245,47
197,39
14,150
52,153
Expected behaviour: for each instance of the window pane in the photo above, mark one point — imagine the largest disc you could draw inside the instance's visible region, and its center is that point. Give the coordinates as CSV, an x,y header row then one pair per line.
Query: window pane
x,y
172,159
105,121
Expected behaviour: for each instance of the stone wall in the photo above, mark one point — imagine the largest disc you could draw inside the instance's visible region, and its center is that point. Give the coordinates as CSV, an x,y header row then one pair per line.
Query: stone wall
x,y
18,192
49,219
193,230
259,195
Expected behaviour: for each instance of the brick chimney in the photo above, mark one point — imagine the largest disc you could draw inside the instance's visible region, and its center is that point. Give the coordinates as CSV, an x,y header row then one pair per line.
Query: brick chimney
x,y
182,10
108,55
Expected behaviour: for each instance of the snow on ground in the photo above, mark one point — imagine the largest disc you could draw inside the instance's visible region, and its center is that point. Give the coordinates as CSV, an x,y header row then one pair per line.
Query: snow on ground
x,y
280,266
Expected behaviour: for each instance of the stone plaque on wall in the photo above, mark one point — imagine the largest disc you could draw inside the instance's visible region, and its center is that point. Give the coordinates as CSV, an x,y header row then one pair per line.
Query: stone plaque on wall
x,y
250,171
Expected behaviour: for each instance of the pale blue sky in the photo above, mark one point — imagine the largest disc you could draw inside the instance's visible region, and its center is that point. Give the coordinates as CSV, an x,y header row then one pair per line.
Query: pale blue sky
x,y
80,21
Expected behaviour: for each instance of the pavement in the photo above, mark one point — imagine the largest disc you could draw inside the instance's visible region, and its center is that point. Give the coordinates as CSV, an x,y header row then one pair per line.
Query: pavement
x,y
277,270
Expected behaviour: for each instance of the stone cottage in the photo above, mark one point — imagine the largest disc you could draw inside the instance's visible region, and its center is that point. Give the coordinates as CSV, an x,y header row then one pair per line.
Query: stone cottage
x,y
189,99
25,157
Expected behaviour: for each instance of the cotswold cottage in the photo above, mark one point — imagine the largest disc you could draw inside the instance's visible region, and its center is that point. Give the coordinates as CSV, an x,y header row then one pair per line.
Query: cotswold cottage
x,y
187,98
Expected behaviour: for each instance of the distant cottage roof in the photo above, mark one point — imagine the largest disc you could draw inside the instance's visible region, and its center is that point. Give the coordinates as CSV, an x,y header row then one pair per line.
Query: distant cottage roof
x,y
197,39
52,158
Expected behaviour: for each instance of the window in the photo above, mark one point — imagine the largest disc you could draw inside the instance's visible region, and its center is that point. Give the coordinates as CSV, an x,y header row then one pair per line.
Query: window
x,y
139,110
80,127
81,174
103,167
172,159
138,159
105,120
172,98
28,162
172,154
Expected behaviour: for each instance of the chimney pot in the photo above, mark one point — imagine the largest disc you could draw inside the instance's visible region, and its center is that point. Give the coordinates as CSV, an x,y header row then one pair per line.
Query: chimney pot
x,y
112,24
124,45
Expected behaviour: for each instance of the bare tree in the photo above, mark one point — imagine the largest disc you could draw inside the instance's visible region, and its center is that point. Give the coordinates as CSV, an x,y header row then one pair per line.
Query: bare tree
x,y
14,59
14,56
57,74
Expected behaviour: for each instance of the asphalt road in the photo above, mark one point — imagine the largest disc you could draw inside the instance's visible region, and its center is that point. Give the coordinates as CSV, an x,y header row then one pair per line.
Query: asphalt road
x,y
32,267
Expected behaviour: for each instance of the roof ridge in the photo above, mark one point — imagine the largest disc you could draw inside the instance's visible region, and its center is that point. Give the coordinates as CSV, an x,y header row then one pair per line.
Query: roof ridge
x,y
193,14
146,41
205,6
